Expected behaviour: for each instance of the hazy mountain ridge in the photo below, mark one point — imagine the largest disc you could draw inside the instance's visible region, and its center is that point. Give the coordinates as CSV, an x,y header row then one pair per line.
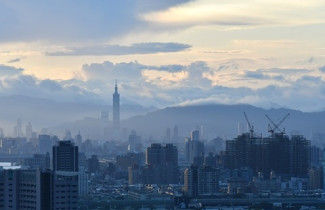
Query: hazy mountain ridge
x,y
45,113
222,120
217,120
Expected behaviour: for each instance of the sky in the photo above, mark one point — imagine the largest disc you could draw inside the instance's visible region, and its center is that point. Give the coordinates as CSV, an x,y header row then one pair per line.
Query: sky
x,y
166,53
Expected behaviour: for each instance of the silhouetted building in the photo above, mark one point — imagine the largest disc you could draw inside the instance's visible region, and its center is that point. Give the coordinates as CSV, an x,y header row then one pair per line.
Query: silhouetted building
x,y
194,149
29,130
315,155
134,173
210,160
279,154
161,165
134,141
93,164
167,136
82,182
276,153
26,189
18,131
316,175
200,181
78,139
39,161
65,190
175,133
247,151
65,156
270,184
129,160
300,156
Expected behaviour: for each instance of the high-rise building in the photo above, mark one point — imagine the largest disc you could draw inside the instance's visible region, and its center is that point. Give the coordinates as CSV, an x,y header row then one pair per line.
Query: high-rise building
x,y
315,155
316,175
175,133
18,132
161,164
278,153
26,189
194,149
300,155
65,190
191,181
248,151
65,156
78,139
29,130
167,136
66,175
93,164
39,161
201,181
134,141
116,113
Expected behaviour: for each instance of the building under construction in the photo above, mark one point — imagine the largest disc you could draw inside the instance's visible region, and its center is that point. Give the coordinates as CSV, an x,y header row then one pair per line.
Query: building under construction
x,y
278,153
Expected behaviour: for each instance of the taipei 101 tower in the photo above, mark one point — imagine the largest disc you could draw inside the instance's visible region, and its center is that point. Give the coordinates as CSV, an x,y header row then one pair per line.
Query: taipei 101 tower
x,y
116,113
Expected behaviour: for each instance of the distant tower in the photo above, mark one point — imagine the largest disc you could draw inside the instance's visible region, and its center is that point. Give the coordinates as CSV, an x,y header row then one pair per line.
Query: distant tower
x,y
18,132
116,112
194,149
29,130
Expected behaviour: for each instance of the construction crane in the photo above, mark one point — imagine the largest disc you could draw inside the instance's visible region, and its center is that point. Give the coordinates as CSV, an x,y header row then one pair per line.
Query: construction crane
x,y
251,128
276,126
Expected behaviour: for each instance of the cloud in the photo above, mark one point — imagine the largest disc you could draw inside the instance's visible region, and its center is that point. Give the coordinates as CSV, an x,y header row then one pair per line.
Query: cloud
x,y
322,69
110,71
256,75
139,48
14,60
176,84
9,70
50,85
73,21
237,13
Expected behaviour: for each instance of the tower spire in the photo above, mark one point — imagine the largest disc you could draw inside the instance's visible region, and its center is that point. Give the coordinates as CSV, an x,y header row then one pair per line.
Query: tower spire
x,y
116,113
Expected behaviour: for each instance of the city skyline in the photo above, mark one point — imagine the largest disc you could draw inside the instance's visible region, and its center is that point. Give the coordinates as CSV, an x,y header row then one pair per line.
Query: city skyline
x,y
174,104
264,53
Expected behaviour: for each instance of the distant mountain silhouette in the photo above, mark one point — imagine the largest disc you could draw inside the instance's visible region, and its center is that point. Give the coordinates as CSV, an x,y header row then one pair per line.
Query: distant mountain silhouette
x,y
223,120
219,120
45,113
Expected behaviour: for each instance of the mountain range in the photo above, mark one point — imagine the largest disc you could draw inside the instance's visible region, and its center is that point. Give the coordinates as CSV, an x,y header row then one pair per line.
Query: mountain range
x,y
216,120
213,120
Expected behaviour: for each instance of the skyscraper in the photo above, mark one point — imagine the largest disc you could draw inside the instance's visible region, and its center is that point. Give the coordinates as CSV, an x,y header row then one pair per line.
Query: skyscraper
x,y
65,156
194,148
29,130
18,132
116,113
